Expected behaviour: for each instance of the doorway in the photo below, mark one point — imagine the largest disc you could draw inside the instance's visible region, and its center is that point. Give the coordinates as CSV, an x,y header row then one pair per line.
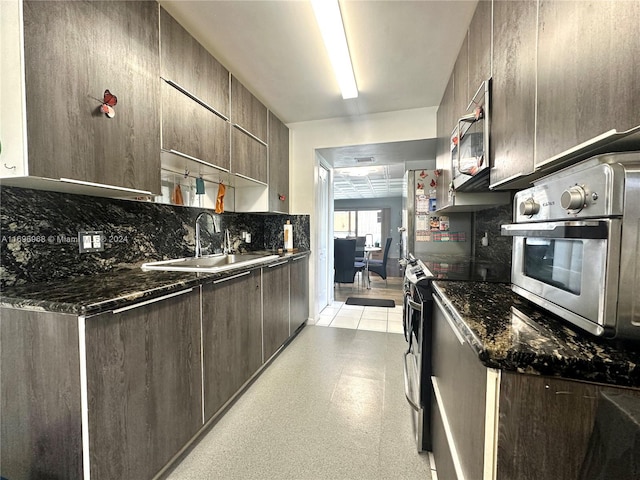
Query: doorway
x,y
324,294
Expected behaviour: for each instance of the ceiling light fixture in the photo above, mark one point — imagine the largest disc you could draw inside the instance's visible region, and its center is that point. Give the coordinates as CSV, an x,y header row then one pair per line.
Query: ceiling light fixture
x,y
330,22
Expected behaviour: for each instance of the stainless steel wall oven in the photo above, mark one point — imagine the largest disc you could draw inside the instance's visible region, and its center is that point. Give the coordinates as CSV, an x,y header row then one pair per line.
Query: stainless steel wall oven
x,y
576,241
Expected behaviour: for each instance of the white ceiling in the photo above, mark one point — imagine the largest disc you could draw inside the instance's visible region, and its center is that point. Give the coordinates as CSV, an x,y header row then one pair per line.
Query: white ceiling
x,y
402,53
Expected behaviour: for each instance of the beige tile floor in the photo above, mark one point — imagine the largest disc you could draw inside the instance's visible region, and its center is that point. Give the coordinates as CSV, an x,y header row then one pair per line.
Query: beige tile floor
x,y
375,319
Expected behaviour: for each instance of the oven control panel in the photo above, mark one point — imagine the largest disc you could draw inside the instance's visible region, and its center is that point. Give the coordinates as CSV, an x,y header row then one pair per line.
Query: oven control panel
x,y
595,191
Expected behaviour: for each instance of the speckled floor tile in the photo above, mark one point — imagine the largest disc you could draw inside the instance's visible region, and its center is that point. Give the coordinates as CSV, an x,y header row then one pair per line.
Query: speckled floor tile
x,y
330,406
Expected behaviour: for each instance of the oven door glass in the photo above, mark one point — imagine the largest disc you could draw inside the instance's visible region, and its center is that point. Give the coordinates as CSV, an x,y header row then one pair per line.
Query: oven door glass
x,y
569,268
555,262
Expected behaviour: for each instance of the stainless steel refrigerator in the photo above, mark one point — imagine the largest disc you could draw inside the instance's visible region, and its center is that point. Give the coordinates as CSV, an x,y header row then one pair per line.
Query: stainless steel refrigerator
x,y
426,231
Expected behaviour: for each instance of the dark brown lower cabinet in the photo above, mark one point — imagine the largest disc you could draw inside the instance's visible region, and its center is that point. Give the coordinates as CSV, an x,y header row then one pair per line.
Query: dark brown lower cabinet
x,y
143,366
231,336
496,424
299,308
144,385
460,386
546,424
275,310
41,427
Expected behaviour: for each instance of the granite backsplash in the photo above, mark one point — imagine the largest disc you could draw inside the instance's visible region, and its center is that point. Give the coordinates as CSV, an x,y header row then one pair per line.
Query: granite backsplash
x,y
39,233
499,248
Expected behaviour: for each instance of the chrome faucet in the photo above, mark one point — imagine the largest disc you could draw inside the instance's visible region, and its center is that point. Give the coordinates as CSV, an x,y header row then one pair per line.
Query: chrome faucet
x,y
198,245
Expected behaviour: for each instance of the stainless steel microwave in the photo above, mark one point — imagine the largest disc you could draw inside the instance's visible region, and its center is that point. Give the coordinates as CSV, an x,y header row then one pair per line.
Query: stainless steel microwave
x,y
470,144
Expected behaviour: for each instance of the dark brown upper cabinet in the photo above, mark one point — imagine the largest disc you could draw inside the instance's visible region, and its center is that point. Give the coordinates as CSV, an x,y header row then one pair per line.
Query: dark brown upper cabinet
x,y
588,78
278,165
514,90
446,118
189,128
461,95
479,46
248,135
74,51
247,111
195,98
189,65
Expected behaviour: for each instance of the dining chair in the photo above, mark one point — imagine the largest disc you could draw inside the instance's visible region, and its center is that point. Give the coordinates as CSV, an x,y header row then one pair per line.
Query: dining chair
x,y
360,244
379,267
344,261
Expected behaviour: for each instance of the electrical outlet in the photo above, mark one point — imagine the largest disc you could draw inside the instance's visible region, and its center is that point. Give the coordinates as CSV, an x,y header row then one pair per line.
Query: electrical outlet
x,y
90,241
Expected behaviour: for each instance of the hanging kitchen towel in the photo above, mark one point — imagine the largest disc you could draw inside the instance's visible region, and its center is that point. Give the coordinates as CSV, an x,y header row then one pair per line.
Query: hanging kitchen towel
x,y
199,186
220,198
177,195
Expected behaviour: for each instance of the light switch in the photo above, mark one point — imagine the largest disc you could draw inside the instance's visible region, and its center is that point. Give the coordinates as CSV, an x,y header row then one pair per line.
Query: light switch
x,y
90,241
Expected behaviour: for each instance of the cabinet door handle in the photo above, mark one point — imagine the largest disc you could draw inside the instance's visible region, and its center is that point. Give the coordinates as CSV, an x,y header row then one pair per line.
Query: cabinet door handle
x,y
277,264
251,179
450,321
152,300
226,279
248,133
299,258
196,159
195,98
104,185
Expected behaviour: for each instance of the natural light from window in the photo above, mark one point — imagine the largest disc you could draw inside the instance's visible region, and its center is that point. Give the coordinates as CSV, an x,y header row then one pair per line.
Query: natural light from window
x,y
358,223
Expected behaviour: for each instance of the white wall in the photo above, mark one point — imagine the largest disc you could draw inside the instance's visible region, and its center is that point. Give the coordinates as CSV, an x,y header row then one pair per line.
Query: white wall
x,y
306,137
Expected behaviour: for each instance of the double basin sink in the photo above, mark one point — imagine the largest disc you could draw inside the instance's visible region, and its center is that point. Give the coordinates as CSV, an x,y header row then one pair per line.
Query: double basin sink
x,y
209,263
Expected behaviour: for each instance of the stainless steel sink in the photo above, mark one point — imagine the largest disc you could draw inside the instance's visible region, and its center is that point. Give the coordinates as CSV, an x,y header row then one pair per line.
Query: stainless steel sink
x,y
209,263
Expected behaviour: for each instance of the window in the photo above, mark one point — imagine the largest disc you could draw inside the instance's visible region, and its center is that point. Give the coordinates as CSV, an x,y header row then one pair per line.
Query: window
x,y
344,224
358,223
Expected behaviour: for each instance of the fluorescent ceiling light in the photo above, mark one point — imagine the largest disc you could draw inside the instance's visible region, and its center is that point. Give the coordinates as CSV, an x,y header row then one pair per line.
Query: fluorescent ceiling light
x,y
330,22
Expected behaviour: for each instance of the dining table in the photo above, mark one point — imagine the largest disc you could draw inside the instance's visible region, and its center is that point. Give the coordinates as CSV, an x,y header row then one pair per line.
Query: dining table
x,y
367,255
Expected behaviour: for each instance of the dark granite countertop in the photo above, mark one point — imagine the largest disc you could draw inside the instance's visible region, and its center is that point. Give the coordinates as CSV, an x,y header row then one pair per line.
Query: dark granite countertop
x,y
93,294
509,333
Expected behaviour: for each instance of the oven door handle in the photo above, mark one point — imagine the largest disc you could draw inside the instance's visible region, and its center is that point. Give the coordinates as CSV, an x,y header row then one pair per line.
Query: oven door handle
x,y
598,230
414,305
407,390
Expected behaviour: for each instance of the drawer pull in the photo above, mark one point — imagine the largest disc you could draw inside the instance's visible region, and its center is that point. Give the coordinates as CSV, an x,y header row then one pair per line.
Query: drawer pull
x,y
226,279
450,321
152,300
277,264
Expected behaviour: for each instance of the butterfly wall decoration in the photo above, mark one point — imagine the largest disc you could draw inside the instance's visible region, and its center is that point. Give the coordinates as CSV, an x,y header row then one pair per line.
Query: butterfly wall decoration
x,y
109,101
